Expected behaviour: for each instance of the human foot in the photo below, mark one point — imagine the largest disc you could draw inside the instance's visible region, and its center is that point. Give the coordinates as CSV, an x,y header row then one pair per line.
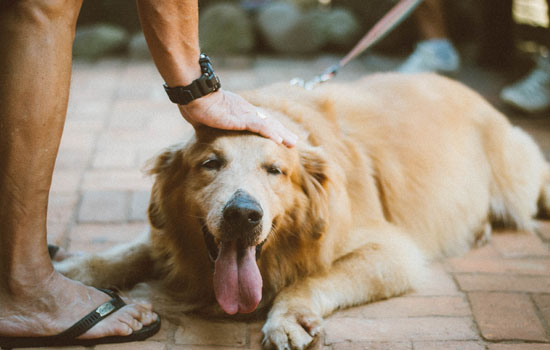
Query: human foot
x,y
49,308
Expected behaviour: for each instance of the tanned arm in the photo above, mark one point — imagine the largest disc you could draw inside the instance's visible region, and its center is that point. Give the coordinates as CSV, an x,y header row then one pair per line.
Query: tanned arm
x,y
171,31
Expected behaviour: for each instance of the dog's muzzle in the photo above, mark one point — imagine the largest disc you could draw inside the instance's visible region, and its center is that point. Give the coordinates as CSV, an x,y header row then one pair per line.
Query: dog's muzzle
x,y
242,219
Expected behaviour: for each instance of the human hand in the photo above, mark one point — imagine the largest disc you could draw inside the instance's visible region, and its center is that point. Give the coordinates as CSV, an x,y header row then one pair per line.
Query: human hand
x,y
228,111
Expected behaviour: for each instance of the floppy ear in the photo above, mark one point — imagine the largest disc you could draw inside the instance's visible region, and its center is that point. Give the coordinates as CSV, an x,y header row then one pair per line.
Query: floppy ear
x,y
154,211
314,183
164,167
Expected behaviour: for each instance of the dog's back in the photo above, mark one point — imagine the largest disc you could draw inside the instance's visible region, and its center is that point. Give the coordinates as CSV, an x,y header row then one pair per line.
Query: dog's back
x,y
445,163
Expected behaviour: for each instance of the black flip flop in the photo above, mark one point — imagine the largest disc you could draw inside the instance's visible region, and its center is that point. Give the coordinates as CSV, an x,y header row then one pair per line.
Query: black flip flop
x,y
68,337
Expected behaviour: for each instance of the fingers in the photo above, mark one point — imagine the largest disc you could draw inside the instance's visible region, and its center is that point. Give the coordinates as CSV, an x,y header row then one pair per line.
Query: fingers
x,y
228,111
271,128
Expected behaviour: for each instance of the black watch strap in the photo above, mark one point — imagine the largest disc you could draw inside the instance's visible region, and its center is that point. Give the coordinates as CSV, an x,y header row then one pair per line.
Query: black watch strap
x,y
206,84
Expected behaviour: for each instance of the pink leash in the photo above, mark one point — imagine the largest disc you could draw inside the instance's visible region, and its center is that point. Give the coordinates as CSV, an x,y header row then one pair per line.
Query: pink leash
x,y
384,26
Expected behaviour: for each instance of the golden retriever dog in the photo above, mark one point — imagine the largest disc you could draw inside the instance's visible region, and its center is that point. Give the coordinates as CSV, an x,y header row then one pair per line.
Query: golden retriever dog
x,y
390,172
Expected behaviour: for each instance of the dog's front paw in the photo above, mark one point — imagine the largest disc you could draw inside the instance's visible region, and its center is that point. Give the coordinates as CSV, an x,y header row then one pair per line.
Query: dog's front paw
x,y
294,330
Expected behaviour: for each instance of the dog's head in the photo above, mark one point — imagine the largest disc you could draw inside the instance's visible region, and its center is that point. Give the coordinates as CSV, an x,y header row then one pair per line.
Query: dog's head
x,y
237,190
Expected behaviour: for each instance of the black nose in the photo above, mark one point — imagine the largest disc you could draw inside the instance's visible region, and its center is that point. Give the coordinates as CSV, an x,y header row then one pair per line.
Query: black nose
x,y
242,213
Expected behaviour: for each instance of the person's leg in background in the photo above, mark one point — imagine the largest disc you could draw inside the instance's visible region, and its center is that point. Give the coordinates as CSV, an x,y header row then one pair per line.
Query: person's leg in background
x,y
435,53
531,94
35,68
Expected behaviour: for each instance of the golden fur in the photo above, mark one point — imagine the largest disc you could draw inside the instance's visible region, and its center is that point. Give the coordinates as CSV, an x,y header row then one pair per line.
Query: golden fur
x,y
390,171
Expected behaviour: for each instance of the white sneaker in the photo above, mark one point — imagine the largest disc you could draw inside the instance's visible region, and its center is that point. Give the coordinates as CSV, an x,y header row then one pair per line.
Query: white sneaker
x,y
532,93
437,56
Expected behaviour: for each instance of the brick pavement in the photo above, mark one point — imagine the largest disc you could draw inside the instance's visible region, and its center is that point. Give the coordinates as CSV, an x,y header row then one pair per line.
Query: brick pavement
x,y
496,297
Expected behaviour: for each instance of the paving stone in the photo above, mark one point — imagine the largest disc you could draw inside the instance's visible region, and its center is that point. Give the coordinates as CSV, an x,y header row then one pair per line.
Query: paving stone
x,y
141,345
519,244
519,347
543,304
116,180
373,346
166,332
340,330
92,238
115,158
61,207
539,266
70,159
504,316
139,201
488,251
103,206
50,348
65,181
411,306
204,347
505,283
256,335
198,331
449,345
544,229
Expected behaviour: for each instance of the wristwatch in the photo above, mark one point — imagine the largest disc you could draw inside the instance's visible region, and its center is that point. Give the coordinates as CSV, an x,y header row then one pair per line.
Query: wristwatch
x,y
206,84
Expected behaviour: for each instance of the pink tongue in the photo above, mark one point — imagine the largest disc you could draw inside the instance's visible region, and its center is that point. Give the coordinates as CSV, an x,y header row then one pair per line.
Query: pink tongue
x,y
237,280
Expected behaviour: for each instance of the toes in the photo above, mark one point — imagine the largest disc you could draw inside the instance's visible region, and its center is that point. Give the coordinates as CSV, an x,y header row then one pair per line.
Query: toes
x,y
313,325
131,321
289,332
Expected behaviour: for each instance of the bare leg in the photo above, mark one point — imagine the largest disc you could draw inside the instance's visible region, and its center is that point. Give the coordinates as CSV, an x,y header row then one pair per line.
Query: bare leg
x,y
431,21
35,67
435,52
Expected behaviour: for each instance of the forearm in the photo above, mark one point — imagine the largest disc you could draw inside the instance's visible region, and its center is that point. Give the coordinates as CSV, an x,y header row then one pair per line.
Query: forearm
x,y
171,31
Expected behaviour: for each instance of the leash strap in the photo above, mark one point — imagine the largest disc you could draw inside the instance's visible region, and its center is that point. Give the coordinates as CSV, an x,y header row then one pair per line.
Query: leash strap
x,y
385,25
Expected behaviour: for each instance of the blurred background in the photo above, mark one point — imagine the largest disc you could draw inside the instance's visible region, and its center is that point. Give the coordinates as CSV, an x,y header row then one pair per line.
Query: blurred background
x,y
493,28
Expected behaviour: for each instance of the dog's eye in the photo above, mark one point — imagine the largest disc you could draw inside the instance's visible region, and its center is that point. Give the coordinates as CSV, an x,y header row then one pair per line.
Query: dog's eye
x,y
274,170
212,164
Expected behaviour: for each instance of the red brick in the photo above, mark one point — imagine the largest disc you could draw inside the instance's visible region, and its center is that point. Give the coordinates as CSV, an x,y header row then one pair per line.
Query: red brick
x,y
198,331
519,244
373,346
141,345
61,209
134,114
411,306
502,266
544,229
116,180
505,283
115,158
488,251
88,126
449,345
87,109
340,330
69,159
256,335
95,238
65,181
77,140
51,348
166,332
519,347
204,347
543,304
139,201
504,316
103,206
